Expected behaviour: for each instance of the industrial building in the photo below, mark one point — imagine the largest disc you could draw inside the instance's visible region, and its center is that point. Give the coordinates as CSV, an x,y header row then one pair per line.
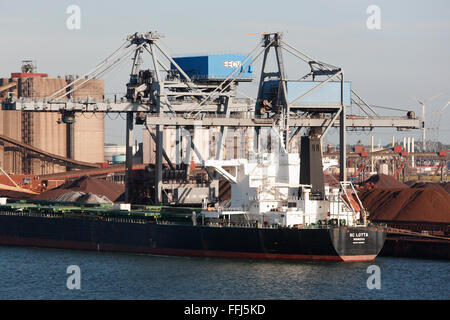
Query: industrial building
x,y
81,141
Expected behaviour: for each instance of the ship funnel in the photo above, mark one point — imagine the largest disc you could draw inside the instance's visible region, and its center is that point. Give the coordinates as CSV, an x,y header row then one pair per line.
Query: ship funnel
x,y
311,168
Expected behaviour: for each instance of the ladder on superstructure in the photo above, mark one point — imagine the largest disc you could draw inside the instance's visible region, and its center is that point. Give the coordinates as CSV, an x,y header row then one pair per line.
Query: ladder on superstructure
x,y
344,187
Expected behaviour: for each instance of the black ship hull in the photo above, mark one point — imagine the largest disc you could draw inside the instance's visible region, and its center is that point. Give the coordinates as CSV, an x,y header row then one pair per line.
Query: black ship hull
x,y
114,235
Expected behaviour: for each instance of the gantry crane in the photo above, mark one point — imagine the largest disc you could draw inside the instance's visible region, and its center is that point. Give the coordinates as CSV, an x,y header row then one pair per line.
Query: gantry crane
x,y
167,96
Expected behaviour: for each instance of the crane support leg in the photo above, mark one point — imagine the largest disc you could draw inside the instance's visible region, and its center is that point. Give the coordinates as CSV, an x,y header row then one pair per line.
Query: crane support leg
x,y
342,136
129,156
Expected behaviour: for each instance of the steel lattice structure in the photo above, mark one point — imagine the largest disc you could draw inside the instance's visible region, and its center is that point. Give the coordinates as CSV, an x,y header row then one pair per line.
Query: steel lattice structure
x,y
165,96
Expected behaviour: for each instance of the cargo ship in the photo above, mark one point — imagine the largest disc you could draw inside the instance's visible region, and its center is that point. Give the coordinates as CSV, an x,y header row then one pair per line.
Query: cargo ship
x,y
270,216
278,209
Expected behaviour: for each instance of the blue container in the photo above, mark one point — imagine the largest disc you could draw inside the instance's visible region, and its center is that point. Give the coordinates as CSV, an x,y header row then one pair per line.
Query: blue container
x,y
212,67
118,158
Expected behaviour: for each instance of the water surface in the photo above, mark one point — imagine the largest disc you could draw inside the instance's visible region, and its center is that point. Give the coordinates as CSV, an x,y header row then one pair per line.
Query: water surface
x,y
35,273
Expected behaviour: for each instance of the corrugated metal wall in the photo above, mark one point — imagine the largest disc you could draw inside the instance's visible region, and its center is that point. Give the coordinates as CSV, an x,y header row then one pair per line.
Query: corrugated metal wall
x,y
89,129
11,126
89,137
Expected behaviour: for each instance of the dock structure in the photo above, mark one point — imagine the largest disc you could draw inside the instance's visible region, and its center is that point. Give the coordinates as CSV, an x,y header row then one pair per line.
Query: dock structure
x,y
187,93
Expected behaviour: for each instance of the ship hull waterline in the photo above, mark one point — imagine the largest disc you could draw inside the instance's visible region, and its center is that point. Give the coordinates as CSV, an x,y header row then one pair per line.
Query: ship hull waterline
x,y
322,244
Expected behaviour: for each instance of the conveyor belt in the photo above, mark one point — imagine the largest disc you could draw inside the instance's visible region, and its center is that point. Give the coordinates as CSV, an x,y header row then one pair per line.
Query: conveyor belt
x,y
404,232
16,189
384,152
88,172
54,157
7,86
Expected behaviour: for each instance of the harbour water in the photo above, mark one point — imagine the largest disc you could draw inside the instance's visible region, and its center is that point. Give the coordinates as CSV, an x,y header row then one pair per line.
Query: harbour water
x,y
35,273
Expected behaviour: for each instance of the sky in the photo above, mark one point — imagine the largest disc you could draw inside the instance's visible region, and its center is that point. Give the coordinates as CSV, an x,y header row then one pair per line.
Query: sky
x,y
408,57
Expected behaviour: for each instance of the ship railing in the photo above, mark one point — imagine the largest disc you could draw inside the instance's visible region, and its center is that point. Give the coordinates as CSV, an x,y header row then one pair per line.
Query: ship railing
x,y
334,197
230,209
71,215
262,226
22,213
240,225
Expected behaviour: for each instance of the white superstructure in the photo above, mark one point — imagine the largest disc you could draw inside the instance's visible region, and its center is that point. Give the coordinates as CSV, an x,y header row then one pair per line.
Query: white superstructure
x,y
265,189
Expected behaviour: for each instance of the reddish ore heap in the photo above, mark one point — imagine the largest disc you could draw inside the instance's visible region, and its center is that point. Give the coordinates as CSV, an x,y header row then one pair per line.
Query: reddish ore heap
x,y
111,190
390,200
412,205
382,181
